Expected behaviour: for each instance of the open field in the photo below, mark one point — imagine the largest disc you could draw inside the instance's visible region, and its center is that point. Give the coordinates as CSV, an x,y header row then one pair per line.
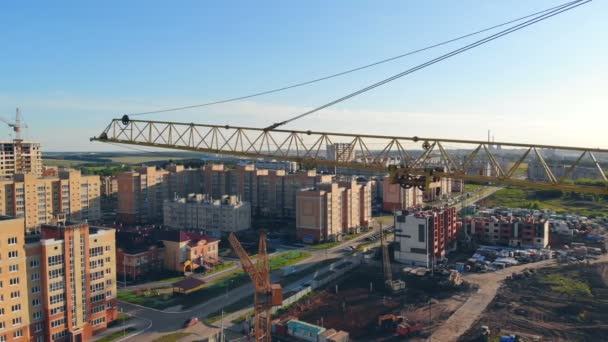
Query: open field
x,y
524,198
565,303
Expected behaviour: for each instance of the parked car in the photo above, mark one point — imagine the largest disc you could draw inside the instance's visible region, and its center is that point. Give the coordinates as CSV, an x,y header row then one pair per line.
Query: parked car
x,y
191,321
348,248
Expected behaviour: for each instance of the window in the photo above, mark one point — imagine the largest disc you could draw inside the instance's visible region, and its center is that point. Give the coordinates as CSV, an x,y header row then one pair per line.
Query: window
x,y
2,338
13,268
57,298
97,298
2,325
97,275
59,335
15,294
35,289
12,240
96,263
108,282
1,311
35,276
16,307
35,301
55,311
13,254
108,248
37,315
96,251
421,232
38,327
55,260
34,263
108,259
40,338
56,273
98,321
97,287
58,285
16,320
18,333
98,309
57,322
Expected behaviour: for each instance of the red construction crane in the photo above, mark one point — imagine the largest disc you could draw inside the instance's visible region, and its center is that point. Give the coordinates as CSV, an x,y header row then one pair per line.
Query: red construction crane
x,y
266,295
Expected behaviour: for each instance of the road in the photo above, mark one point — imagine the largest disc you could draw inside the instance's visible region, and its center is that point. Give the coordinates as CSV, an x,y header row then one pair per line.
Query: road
x,y
172,319
471,310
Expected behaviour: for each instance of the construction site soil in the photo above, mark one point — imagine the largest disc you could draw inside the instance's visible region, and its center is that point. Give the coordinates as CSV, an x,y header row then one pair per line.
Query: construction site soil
x,y
565,303
361,299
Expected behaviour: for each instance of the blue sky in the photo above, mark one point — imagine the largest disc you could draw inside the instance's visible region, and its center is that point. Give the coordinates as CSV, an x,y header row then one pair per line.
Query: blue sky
x,y
72,66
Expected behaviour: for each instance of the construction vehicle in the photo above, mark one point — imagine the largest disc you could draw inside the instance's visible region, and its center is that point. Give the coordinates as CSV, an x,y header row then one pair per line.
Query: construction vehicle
x,y
266,295
398,325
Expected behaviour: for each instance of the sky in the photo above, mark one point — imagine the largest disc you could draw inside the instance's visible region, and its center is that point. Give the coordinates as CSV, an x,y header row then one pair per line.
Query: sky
x,y
72,66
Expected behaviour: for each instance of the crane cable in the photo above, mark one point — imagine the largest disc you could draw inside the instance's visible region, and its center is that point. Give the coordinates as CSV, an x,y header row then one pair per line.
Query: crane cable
x,y
266,92
482,41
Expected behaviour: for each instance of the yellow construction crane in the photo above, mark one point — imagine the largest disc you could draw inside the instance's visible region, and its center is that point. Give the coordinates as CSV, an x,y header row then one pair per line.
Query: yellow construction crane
x,y
419,162
266,295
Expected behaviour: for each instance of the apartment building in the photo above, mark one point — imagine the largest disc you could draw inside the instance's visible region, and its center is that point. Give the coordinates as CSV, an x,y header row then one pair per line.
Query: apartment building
x,y
424,238
78,280
109,186
37,199
215,216
342,152
330,209
395,197
508,230
20,156
141,193
14,290
138,254
59,286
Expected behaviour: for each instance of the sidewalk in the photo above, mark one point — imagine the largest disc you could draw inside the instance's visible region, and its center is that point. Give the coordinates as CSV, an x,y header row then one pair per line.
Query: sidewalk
x,y
140,325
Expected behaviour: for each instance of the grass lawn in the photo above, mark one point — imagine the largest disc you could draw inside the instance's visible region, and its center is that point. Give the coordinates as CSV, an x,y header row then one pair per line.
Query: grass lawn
x,y
525,198
117,335
386,220
172,337
220,267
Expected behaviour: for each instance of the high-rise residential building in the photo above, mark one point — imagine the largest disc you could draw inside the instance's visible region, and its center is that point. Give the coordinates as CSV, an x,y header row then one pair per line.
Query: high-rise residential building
x,y
424,238
37,199
342,152
508,230
109,186
330,209
269,192
215,216
14,290
141,193
78,280
20,156
59,286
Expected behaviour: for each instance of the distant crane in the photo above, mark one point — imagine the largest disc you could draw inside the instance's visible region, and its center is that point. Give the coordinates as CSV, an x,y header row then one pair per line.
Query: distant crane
x,y
266,295
17,125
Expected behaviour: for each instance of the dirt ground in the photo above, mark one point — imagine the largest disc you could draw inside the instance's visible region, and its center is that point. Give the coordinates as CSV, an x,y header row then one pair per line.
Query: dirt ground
x,y
565,303
354,308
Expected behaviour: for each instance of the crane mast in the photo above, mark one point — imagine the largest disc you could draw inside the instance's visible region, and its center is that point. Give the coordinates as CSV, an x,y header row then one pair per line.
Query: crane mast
x,y
266,295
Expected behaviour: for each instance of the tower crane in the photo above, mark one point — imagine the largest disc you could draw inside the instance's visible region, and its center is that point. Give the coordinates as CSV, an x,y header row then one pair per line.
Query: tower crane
x,y
266,295
420,162
16,125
